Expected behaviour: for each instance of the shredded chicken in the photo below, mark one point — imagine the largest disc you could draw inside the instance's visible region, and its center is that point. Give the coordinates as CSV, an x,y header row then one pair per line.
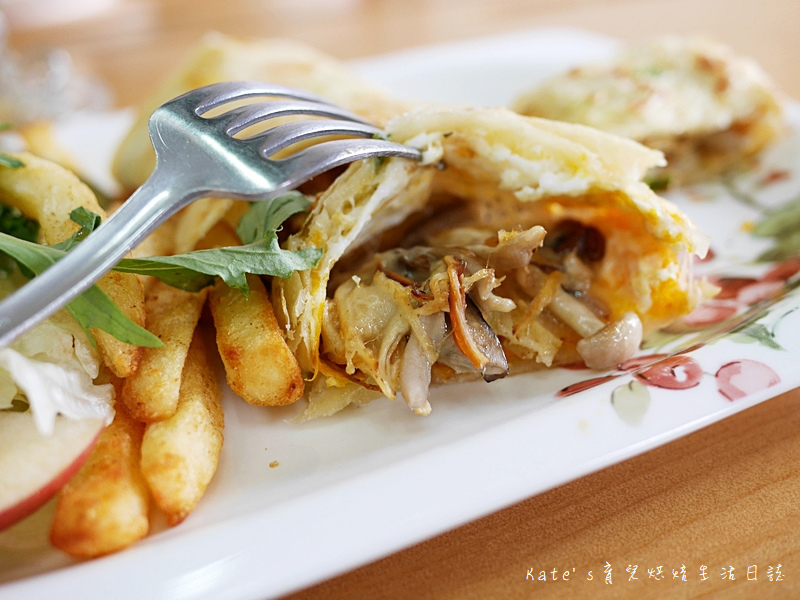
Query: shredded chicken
x,y
411,314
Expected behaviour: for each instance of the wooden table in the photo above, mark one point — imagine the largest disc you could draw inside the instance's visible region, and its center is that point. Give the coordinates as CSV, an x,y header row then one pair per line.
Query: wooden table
x,y
726,495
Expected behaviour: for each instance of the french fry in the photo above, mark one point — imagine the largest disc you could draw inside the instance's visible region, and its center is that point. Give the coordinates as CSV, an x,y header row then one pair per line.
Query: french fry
x,y
104,508
48,193
197,219
259,366
151,394
180,454
126,290
159,243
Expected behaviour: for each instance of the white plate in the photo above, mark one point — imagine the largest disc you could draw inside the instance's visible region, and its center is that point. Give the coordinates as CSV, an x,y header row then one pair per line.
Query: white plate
x,y
370,481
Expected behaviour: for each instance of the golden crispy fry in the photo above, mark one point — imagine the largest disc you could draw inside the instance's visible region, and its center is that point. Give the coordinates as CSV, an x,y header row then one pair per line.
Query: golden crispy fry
x,y
44,191
104,508
197,219
48,193
236,211
180,454
159,243
127,293
258,364
151,394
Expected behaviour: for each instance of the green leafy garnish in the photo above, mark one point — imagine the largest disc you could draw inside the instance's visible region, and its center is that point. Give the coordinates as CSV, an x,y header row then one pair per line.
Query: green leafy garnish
x,y
265,218
10,162
88,222
93,308
260,255
13,222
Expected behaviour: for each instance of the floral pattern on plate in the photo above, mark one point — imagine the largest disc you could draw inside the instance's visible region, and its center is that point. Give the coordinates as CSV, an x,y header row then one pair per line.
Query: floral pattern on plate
x,y
758,289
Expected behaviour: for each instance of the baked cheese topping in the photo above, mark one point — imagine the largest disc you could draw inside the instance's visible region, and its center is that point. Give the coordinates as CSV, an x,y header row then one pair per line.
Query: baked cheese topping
x,y
517,243
691,98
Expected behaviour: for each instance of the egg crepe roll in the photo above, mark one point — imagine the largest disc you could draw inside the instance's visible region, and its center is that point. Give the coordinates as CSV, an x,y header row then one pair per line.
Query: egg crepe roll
x,y
218,57
693,98
517,243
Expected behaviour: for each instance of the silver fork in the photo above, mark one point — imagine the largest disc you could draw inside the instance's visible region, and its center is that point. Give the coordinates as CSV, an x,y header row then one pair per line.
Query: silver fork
x,y
197,156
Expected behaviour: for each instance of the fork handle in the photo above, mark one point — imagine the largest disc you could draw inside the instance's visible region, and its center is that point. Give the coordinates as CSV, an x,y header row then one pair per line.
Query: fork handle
x,y
149,206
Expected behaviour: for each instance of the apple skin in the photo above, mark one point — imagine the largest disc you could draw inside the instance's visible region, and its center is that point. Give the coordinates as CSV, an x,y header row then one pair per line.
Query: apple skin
x,y
33,467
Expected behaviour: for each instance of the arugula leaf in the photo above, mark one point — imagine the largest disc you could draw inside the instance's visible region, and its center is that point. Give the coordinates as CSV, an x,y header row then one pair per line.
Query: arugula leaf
x,y
35,257
231,264
194,270
14,223
176,275
263,218
88,221
93,308
261,254
10,162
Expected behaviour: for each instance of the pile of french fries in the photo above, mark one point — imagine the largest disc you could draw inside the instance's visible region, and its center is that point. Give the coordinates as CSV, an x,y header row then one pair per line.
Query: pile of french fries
x,y
163,446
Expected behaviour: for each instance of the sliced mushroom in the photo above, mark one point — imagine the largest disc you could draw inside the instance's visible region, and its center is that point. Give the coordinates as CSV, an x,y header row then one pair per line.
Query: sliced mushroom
x,y
496,365
575,314
613,344
415,371
471,333
415,377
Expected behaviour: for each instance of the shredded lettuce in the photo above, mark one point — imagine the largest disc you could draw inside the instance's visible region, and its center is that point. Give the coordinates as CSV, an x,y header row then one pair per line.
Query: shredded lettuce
x,y
50,369
53,389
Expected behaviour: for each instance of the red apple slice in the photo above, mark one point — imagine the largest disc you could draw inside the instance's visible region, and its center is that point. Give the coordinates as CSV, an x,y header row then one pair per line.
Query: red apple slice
x,y
33,467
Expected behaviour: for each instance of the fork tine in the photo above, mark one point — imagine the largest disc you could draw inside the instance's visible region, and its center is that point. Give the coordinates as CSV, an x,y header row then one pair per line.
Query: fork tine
x,y
286,134
215,95
196,157
245,116
312,161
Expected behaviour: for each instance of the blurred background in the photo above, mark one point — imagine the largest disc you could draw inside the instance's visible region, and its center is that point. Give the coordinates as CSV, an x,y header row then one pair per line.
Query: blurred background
x,y
115,39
